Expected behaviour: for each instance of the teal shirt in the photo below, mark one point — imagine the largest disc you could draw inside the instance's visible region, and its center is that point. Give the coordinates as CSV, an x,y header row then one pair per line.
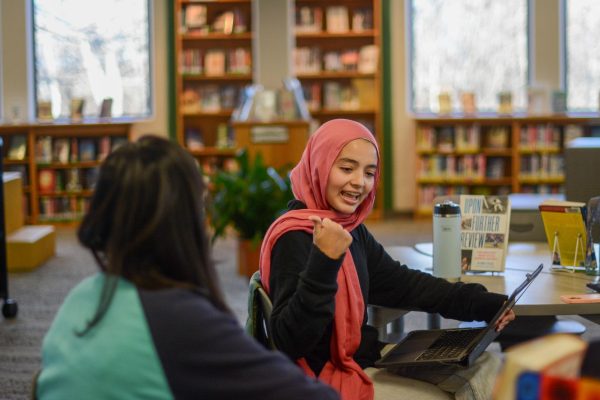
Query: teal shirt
x,y
116,353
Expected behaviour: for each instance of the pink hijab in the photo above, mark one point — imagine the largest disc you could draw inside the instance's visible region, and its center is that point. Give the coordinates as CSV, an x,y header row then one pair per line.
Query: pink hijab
x,y
309,184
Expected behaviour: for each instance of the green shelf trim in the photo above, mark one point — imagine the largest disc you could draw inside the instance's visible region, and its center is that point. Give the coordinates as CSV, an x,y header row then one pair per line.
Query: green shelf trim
x,y
171,69
387,105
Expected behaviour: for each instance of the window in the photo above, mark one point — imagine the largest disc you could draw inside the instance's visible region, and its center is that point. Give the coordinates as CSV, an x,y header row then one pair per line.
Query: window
x,y
468,46
93,50
582,54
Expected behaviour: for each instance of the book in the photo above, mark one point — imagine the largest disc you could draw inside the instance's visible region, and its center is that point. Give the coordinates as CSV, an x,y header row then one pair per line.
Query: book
x,y
484,232
43,150
76,109
368,59
106,108
214,62
87,149
309,19
73,182
195,17
61,150
467,100
337,19
565,227
505,103
18,147
103,148
44,111
444,103
558,355
74,157
46,180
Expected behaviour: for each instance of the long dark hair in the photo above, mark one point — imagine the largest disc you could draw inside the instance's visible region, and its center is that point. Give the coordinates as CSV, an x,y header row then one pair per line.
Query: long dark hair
x,y
146,222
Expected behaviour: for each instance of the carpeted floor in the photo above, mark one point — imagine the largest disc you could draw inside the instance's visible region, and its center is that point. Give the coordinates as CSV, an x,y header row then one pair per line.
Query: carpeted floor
x,y
40,293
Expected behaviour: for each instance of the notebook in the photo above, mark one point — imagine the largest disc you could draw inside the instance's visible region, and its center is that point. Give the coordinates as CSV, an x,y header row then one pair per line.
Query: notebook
x,y
459,346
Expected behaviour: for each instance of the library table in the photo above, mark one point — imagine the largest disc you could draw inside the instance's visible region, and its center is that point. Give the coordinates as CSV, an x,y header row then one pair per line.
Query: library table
x,y
539,305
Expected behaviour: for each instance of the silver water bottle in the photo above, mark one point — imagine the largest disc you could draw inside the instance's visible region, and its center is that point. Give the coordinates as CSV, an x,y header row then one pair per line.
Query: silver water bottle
x,y
446,241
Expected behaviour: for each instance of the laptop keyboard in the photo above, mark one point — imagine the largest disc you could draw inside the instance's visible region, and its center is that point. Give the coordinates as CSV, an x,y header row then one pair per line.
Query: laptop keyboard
x,y
450,344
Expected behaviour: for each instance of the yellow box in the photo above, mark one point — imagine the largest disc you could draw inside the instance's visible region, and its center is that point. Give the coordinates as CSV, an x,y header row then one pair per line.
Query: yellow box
x,y
29,247
13,201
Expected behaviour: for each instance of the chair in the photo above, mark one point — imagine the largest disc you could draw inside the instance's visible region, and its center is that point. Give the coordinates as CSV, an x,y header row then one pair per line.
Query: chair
x,y
258,324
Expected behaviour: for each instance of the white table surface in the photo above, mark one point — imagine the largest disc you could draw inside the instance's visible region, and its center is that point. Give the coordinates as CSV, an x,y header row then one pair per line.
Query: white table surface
x,y
541,298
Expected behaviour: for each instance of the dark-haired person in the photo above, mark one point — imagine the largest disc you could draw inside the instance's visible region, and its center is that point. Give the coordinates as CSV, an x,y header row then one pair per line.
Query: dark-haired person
x,y
153,324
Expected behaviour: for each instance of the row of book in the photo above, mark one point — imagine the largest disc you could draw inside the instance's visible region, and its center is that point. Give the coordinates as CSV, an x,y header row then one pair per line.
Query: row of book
x,y
195,139
462,138
215,62
72,180
209,98
338,19
547,136
64,150
542,166
542,189
427,193
65,208
467,167
356,94
311,60
194,18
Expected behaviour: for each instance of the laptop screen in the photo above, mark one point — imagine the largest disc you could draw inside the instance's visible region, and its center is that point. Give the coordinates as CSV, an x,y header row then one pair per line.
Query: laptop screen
x,y
516,294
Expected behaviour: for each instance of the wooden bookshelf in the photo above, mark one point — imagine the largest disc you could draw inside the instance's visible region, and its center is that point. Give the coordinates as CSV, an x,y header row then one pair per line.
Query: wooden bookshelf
x,y
213,52
338,61
493,154
71,174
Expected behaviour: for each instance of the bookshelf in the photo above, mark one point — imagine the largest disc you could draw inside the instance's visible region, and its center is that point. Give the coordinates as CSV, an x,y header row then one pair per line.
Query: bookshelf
x,y
492,155
337,59
213,49
58,165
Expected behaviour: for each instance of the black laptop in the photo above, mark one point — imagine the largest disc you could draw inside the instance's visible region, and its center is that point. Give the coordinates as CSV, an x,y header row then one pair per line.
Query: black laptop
x,y
459,346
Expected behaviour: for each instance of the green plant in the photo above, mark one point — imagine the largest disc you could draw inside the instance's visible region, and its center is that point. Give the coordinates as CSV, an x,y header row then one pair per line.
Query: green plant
x,y
248,199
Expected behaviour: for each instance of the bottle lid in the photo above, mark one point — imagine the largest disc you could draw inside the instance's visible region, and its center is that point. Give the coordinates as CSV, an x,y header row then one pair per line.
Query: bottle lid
x,y
446,208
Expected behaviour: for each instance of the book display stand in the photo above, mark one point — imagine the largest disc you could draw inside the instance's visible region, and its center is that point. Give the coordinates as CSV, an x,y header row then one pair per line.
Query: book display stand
x,y
556,253
592,220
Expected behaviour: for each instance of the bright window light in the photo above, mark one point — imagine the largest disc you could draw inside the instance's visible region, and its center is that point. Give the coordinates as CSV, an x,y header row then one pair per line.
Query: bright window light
x,y
93,50
468,46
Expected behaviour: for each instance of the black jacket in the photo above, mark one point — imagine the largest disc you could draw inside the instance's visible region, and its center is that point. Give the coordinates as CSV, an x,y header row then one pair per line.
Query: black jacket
x,y
303,284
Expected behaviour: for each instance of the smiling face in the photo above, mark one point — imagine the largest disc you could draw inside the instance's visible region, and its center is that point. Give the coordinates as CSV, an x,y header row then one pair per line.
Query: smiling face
x,y
352,176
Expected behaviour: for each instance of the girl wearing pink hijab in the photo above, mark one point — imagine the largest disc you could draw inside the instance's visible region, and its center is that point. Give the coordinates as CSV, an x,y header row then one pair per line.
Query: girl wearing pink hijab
x,y
321,266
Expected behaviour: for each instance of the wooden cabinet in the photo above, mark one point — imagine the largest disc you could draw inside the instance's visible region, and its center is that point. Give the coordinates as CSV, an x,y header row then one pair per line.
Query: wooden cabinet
x,y
213,50
492,155
281,143
58,164
337,58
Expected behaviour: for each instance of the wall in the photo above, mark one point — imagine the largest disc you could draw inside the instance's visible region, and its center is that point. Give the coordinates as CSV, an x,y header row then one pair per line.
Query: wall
x,y
15,56
545,47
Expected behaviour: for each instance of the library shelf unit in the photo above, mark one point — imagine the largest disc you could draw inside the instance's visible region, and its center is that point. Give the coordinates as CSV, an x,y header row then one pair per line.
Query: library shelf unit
x,y
492,154
58,164
213,49
337,58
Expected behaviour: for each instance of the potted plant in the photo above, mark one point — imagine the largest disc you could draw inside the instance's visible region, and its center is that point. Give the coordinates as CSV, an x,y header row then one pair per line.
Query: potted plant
x,y
248,199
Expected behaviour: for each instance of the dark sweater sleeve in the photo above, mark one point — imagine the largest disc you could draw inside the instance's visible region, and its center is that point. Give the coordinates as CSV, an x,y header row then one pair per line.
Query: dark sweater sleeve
x,y
206,355
395,285
303,284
